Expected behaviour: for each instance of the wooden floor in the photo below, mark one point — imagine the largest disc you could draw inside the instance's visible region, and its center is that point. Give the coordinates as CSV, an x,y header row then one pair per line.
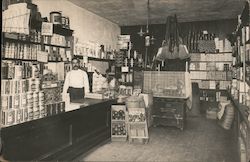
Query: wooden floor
x,y
202,140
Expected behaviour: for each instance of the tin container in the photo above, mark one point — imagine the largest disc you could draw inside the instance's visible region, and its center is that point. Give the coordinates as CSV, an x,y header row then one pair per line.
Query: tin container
x,y
54,108
36,85
23,100
4,102
36,112
62,106
19,116
56,17
29,99
25,114
48,109
17,101
30,112
18,71
8,117
42,111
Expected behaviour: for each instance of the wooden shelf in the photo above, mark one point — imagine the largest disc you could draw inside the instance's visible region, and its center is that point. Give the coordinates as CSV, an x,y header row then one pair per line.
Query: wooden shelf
x,y
241,108
20,41
229,52
94,59
15,59
53,45
210,70
99,59
115,120
209,80
210,61
127,83
58,29
220,90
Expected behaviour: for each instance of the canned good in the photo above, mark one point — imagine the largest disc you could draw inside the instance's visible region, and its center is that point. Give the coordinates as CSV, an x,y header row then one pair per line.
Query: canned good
x,y
30,112
55,17
18,71
17,101
4,102
8,117
30,99
48,109
25,114
62,106
23,101
19,116
36,96
36,112
54,108
42,111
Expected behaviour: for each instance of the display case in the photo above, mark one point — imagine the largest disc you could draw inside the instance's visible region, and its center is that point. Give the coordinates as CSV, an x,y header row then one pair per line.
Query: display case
x,y
168,84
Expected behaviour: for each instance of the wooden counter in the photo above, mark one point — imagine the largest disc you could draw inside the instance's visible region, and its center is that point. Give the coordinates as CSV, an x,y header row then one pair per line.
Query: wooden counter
x,y
59,137
239,119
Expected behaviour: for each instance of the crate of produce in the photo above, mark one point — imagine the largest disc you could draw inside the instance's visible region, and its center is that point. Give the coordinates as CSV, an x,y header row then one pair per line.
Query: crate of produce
x,y
136,115
119,131
118,123
118,112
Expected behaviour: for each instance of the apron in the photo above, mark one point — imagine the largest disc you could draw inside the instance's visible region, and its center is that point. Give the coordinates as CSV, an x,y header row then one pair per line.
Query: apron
x,y
75,93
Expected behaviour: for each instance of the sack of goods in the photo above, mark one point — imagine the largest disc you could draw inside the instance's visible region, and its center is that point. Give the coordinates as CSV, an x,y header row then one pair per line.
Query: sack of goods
x,y
226,120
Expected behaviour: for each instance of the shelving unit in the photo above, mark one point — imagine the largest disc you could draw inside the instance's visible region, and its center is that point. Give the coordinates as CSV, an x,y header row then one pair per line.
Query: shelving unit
x,y
213,74
23,97
239,94
94,59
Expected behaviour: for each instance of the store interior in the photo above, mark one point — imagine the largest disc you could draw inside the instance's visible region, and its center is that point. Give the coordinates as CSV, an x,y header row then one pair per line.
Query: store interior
x,y
135,80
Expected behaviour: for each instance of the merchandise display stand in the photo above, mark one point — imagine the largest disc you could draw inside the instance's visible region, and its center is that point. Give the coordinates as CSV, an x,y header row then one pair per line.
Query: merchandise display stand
x,y
137,126
118,123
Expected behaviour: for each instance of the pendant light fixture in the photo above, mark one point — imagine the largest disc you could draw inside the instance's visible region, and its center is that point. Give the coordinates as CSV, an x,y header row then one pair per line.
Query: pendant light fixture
x,y
147,37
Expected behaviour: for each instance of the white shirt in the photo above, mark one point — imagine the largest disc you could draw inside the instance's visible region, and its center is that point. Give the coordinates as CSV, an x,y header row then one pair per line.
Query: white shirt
x,y
76,79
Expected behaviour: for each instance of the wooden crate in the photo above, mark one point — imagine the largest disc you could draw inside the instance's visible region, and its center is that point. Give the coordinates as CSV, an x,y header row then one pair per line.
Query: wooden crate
x,y
138,132
119,121
116,138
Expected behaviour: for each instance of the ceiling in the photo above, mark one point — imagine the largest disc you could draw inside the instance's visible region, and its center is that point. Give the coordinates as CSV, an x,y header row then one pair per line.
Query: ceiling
x,y
134,12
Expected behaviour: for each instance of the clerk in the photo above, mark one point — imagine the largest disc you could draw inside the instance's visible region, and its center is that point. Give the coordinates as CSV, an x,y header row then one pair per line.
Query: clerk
x,y
76,82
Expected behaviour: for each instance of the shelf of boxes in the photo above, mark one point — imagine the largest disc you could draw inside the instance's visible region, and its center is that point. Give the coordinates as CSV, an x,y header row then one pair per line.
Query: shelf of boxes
x,y
211,71
239,94
22,94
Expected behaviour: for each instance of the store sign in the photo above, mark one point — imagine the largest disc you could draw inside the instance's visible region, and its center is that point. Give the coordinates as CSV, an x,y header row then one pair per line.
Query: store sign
x,y
47,29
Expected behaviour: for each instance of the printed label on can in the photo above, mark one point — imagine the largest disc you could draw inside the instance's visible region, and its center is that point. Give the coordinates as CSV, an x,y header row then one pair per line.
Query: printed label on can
x,y
25,114
10,117
17,101
4,102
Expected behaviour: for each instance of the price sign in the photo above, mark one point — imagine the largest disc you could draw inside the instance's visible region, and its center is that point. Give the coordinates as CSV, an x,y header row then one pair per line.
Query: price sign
x,y
47,29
